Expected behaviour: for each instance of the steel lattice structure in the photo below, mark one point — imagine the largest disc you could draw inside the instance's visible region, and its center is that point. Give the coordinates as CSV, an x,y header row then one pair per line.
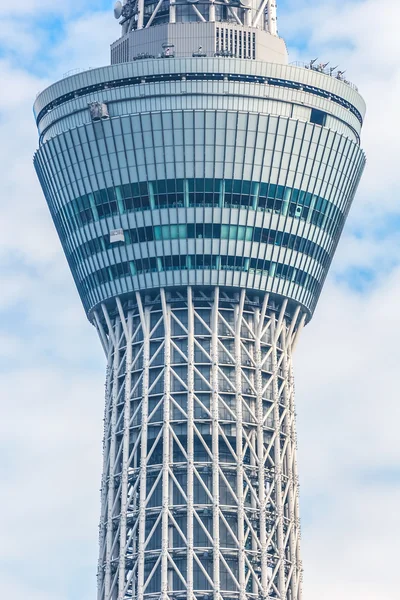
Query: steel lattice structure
x,y
142,14
200,427
199,186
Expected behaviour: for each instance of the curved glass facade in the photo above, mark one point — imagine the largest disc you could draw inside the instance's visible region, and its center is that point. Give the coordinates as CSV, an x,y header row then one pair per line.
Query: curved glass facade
x,y
208,193
200,231
247,173
201,261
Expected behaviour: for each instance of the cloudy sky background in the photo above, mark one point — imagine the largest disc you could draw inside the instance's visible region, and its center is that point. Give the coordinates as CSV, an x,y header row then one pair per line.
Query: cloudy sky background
x,y
52,368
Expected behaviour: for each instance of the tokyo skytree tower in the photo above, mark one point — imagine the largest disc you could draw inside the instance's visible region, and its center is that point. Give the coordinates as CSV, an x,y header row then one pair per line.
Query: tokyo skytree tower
x,y
199,186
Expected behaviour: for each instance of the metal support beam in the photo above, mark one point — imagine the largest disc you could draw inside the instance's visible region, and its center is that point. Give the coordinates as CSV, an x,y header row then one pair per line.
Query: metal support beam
x,y
166,311
275,326
112,441
190,446
215,444
145,324
154,13
200,485
239,446
140,14
259,327
126,323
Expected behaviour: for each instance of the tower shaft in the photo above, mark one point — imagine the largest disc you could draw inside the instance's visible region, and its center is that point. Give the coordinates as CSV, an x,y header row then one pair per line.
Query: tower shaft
x,y
200,488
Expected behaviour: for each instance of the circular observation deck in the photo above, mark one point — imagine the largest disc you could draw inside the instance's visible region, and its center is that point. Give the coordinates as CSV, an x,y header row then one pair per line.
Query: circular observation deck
x,y
199,171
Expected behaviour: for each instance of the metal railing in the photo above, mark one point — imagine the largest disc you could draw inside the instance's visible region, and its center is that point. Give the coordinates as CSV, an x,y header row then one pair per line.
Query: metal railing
x,y
75,72
325,70
68,74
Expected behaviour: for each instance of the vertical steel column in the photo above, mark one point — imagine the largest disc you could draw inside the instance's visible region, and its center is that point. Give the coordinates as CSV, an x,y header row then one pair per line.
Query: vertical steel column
x,y
239,444
247,17
215,444
286,466
127,329
140,14
290,452
261,446
298,595
172,11
166,309
106,450
255,505
115,335
211,9
190,445
277,450
145,321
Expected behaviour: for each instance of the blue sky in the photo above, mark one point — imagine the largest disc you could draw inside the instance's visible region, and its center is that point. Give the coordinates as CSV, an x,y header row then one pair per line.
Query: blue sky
x,y
52,368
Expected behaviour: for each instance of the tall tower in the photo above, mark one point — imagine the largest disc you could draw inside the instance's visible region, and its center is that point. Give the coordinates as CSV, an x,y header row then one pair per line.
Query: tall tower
x,y
199,186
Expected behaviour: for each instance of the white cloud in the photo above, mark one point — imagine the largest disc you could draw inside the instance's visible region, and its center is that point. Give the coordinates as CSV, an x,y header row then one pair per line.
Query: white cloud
x,y
51,389
10,347
32,7
19,40
86,43
42,9
51,447
354,562
347,402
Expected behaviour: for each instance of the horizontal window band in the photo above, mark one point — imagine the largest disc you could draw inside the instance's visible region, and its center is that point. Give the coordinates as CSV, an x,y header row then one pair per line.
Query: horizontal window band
x,y
202,262
160,77
218,193
203,231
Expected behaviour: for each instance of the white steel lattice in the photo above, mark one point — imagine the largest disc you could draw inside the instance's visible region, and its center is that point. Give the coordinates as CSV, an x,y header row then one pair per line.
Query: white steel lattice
x,y
200,489
139,14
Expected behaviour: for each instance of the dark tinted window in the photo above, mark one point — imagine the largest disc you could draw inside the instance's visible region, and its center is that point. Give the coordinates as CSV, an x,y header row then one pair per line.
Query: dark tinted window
x,y
318,117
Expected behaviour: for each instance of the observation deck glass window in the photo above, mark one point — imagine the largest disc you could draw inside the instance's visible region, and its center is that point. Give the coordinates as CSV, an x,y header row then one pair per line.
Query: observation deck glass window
x,y
318,117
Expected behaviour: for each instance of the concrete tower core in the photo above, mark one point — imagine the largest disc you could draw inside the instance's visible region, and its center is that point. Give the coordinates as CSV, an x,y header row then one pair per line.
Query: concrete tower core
x,y
199,186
